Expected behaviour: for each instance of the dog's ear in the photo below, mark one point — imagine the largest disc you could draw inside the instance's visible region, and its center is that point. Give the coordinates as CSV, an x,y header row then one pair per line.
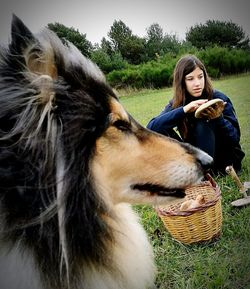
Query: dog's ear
x,y
21,36
38,60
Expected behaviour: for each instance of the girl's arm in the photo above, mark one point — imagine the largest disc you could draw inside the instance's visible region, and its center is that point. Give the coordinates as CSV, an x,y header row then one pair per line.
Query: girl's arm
x,y
166,120
169,117
228,124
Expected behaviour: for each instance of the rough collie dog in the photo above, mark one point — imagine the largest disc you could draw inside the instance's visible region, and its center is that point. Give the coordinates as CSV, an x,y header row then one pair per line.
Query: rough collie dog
x,y
72,161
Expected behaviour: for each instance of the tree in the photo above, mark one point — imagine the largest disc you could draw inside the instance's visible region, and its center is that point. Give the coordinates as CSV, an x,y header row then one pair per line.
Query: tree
x,y
171,44
158,44
119,33
106,46
154,40
123,41
154,33
220,33
72,35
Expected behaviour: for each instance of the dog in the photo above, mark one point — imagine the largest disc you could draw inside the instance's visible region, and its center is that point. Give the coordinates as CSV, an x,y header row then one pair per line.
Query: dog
x,y
73,161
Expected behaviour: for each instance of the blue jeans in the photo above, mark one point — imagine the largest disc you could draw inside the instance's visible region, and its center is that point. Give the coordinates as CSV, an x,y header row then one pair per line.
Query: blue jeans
x,y
208,138
203,137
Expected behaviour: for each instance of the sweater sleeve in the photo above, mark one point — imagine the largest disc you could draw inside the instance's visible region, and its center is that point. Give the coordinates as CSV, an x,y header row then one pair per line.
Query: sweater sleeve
x,y
167,119
228,124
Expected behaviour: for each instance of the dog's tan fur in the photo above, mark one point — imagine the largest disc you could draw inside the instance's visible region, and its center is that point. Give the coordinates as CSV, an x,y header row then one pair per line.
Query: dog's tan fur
x,y
125,158
139,156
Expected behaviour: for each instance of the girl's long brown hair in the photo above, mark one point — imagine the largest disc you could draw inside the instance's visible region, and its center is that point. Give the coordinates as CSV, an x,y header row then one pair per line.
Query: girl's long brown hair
x,y
184,66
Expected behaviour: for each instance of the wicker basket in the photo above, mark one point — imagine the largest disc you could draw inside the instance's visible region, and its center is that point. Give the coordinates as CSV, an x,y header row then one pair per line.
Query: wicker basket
x,y
199,224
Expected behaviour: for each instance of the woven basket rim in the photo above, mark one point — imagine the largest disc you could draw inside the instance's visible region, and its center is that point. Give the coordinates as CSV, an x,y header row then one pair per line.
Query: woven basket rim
x,y
217,195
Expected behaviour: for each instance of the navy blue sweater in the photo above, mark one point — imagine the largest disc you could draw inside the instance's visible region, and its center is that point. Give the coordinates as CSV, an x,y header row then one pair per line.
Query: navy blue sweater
x,y
170,118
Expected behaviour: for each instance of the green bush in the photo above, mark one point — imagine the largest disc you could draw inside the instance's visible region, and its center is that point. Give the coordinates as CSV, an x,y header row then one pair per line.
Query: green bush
x,y
106,62
224,61
219,62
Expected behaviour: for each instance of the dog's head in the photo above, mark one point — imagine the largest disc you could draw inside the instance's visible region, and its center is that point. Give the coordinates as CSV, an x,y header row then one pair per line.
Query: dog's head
x,y
61,116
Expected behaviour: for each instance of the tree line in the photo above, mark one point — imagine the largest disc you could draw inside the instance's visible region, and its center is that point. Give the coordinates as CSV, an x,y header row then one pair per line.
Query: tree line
x,y
128,59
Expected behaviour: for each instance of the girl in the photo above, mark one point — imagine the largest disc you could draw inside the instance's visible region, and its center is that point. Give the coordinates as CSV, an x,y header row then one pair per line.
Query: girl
x,y
216,132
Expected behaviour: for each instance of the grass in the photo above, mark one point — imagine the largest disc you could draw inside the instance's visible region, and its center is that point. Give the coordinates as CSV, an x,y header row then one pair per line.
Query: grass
x,y
225,263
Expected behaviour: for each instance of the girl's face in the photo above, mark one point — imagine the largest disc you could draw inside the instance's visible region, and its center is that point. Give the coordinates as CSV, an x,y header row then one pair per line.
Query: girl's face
x,y
195,82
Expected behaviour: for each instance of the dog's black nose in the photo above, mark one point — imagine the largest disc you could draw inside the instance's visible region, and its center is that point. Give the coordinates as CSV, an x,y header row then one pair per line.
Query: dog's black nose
x,y
206,166
205,160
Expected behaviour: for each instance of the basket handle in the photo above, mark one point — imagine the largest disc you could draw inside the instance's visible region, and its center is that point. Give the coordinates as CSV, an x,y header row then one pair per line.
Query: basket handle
x,y
211,180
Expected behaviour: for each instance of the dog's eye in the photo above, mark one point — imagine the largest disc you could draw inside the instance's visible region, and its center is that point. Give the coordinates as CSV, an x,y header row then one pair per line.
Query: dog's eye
x,y
122,125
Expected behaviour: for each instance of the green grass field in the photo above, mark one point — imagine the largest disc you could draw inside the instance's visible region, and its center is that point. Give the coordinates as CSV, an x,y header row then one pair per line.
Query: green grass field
x,y
224,263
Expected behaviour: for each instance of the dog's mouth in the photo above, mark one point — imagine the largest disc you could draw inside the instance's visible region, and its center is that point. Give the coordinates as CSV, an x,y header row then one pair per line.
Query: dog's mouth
x,y
159,190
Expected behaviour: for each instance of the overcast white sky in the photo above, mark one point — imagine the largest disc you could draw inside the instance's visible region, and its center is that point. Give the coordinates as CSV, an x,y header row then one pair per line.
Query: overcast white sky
x,y
95,17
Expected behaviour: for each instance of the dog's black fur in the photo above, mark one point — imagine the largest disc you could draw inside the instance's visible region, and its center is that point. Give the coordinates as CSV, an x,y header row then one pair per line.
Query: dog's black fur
x,y
27,170
54,106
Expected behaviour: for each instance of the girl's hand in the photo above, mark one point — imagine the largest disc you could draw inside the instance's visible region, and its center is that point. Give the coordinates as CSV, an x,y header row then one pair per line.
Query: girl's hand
x,y
214,111
193,105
